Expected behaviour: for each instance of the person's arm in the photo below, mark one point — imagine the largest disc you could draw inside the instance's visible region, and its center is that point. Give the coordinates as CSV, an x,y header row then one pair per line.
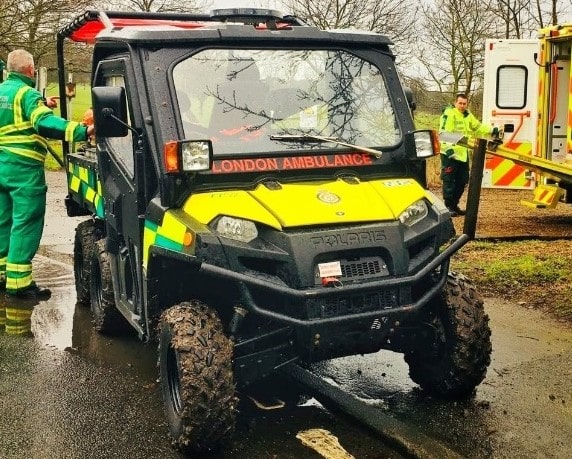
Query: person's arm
x,y
477,128
447,124
52,101
49,125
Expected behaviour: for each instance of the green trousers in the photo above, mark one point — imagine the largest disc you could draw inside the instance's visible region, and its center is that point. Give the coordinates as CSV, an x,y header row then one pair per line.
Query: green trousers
x,y
454,176
22,209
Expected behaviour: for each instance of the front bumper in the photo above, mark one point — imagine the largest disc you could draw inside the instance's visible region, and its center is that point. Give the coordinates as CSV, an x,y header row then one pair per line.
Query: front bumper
x,y
247,284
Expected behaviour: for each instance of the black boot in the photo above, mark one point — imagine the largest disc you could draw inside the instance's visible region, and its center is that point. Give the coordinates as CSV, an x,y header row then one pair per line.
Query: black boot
x,y
459,211
33,292
452,211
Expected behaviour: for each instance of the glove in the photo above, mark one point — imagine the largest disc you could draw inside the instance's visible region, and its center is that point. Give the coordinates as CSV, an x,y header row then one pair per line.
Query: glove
x,y
449,152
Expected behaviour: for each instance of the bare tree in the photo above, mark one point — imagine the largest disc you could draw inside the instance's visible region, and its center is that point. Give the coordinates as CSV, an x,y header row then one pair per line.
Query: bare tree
x,y
515,16
394,18
163,6
32,24
548,12
452,47
523,18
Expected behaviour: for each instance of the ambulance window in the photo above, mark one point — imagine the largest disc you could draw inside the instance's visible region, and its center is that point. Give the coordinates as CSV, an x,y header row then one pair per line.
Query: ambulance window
x,y
511,86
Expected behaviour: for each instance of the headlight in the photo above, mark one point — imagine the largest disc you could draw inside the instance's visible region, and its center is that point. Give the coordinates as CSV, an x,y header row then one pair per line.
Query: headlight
x,y
414,213
187,155
236,228
195,156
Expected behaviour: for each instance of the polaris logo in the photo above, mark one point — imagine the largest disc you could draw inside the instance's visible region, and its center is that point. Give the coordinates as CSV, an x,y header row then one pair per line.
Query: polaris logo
x,y
349,239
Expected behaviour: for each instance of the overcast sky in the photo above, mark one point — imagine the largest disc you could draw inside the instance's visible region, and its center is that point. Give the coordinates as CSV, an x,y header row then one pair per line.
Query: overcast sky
x,y
270,4
277,5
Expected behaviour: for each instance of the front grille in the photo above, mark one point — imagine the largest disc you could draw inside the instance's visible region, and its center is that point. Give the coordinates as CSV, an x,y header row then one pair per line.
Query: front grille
x,y
363,268
340,306
358,269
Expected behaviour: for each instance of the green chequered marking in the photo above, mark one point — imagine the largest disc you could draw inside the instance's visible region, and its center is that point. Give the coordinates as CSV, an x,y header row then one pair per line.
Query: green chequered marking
x,y
162,241
84,182
152,232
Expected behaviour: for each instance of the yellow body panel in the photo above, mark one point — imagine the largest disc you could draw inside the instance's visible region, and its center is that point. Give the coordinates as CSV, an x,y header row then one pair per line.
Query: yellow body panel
x,y
172,228
310,203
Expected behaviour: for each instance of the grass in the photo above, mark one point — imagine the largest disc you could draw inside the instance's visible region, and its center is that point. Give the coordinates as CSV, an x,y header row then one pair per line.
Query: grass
x,y
77,106
428,121
536,274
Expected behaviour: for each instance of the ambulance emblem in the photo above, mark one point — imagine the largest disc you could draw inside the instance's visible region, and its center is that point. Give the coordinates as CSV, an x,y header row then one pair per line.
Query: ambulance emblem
x,y
328,198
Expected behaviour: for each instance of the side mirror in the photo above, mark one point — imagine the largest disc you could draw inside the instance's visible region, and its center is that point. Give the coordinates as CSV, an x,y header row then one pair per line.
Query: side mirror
x,y
110,111
410,98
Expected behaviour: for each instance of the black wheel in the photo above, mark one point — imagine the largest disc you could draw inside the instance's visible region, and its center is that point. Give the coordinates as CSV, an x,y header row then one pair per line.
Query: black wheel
x,y
86,234
195,368
105,316
450,358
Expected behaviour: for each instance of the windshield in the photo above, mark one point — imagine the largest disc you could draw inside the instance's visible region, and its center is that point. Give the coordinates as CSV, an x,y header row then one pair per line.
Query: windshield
x,y
245,100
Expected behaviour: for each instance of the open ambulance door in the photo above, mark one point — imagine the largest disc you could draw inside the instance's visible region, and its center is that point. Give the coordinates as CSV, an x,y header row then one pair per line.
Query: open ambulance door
x,y
555,142
510,99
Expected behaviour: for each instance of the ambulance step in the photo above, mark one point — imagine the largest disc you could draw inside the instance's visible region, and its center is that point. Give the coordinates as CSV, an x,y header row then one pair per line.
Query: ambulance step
x,y
545,196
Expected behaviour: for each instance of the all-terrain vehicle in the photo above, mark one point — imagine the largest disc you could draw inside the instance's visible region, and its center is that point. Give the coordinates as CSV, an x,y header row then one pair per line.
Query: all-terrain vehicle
x,y
257,196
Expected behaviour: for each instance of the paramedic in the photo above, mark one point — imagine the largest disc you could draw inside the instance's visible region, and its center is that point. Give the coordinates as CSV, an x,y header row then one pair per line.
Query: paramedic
x,y
25,122
455,158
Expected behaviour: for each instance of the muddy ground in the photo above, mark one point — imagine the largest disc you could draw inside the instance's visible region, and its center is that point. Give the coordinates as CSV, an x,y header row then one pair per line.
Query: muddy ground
x,y
501,215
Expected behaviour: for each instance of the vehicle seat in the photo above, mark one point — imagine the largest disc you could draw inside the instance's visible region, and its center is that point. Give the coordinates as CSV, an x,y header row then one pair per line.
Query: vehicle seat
x,y
241,99
285,102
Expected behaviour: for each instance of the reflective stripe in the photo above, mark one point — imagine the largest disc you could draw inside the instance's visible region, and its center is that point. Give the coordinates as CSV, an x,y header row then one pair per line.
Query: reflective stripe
x,y
28,154
18,330
15,127
21,125
17,314
19,321
70,130
18,113
39,112
19,268
33,139
13,285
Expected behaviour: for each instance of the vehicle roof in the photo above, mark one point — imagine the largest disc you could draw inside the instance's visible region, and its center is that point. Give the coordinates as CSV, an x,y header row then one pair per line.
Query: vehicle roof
x,y
236,24
556,31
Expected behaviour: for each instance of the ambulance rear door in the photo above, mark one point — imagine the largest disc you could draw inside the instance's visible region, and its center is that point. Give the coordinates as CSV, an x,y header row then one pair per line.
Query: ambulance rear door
x,y
510,100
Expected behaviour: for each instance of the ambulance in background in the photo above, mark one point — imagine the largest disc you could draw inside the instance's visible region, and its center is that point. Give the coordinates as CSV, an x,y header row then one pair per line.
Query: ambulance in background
x,y
527,85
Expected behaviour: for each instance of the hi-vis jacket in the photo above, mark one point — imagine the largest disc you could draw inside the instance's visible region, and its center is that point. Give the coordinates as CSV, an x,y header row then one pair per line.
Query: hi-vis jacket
x,y
452,120
25,121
